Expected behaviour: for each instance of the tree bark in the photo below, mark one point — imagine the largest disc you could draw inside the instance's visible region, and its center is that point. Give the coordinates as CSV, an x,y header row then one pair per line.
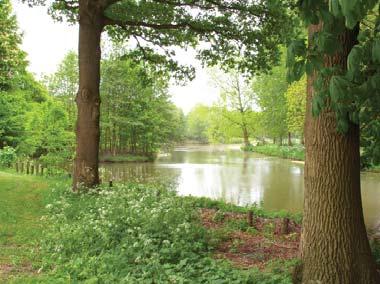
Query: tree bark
x,y
290,139
335,246
88,99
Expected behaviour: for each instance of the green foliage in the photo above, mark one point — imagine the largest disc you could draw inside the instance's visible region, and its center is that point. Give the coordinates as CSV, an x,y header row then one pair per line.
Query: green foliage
x,y
131,234
48,135
198,123
7,156
137,116
12,61
375,246
287,152
236,102
270,90
63,84
296,106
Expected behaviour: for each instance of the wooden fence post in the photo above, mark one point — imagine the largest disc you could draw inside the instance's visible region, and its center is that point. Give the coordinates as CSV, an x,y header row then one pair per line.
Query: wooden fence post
x,y
250,218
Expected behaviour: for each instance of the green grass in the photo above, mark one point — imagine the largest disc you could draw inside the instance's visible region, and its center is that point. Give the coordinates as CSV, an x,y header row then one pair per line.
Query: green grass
x,y
22,206
125,159
286,152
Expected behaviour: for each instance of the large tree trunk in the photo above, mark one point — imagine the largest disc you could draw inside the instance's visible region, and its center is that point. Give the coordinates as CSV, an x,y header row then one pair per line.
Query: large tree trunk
x,y
335,247
88,99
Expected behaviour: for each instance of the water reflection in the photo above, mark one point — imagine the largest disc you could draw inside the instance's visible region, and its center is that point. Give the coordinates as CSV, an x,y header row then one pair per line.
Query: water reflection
x,y
240,178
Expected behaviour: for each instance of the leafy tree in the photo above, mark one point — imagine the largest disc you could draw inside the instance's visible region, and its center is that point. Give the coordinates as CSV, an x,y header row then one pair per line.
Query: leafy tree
x,y
49,136
236,100
12,113
221,129
198,121
343,76
12,57
296,107
270,89
7,156
137,115
231,29
63,84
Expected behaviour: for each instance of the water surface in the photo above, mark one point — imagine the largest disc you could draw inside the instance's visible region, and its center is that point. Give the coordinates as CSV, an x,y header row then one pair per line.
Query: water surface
x,y
224,172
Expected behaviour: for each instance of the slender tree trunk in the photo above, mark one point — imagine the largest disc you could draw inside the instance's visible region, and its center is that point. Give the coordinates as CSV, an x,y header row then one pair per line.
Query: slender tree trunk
x,y
245,136
290,139
335,247
88,99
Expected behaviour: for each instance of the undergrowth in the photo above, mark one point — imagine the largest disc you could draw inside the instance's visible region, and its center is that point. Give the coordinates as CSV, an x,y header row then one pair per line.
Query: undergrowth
x,y
136,234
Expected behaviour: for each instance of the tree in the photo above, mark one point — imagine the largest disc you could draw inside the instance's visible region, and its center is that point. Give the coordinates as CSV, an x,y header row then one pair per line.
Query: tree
x,y
12,57
296,107
231,28
137,115
198,121
236,97
63,84
335,247
270,89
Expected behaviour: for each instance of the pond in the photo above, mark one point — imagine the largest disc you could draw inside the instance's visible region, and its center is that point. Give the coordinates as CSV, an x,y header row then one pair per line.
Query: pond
x,y
224,172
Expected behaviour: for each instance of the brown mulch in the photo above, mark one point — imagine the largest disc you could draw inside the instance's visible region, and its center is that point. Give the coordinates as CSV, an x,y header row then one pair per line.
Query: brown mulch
x,y
266,241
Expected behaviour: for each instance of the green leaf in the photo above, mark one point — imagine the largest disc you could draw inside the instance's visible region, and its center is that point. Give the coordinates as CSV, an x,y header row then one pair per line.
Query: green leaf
x,y
347,5
354,59
334,8
338,88
376,51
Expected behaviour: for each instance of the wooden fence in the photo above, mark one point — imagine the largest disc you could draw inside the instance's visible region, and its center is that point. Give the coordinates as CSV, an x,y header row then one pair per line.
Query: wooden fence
x,y
34,167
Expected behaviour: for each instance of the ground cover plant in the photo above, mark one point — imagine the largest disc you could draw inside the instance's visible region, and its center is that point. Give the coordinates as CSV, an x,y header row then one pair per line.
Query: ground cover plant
x,y
137,234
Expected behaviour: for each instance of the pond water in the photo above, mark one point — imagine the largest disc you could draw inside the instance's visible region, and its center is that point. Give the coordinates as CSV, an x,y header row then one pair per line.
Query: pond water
x,y
224,172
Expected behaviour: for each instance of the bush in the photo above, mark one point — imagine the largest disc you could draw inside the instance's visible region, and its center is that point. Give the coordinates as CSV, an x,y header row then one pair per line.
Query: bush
x,y
7,156
134,234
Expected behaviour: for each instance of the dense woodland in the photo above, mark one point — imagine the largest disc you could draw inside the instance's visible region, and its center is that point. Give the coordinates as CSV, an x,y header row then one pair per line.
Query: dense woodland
x,y
305,74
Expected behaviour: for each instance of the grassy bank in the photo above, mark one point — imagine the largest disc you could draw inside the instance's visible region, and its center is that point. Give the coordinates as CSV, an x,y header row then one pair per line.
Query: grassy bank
x,y
126,159
128,234
138,234
286,152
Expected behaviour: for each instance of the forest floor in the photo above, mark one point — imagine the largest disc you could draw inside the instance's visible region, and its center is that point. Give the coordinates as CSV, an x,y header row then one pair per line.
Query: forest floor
x,y
22,206
256,245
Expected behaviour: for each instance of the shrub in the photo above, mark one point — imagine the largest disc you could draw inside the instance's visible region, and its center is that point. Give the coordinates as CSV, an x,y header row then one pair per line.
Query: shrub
x,y
7,156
